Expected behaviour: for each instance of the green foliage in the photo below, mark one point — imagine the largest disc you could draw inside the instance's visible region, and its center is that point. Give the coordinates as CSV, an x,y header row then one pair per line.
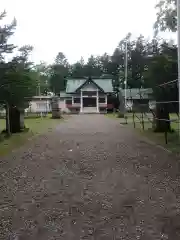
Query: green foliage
x,y
19,87
61,59
166,16
25,51
93,67
58,73
77,69
6,31
163,68
16,82
42,76
57,82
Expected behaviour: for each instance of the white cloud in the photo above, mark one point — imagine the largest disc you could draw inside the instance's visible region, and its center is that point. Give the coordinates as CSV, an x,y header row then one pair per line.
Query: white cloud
x,y
78,27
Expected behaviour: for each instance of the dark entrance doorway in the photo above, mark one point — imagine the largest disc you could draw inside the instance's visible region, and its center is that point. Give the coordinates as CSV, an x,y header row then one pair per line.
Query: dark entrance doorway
x,y
89,102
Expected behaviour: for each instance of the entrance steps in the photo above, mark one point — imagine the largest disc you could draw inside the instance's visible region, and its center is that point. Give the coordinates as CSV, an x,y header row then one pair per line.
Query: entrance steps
x,y
89,110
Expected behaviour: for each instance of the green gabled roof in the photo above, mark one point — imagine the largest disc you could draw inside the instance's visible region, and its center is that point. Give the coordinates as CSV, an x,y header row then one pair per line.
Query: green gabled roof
x,y
74,84
105,84
64,94
136,93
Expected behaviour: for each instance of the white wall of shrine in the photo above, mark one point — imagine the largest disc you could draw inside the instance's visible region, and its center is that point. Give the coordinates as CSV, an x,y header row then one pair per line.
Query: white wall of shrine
x,y
89,90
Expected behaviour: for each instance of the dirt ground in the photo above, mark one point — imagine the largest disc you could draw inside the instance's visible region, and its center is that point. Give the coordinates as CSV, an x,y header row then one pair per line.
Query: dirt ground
x,y
89,179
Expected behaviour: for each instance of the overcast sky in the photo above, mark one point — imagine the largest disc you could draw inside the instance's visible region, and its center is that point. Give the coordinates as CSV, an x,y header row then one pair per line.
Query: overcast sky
x,y
77,27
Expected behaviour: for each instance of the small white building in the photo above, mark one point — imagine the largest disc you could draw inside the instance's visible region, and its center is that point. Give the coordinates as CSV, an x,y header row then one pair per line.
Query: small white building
x,y
42,103
39,104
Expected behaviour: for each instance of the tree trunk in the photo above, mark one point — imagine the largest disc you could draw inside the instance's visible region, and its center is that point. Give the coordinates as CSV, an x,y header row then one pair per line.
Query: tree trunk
x,y
14,115
8,129
16,120
162,119
121,105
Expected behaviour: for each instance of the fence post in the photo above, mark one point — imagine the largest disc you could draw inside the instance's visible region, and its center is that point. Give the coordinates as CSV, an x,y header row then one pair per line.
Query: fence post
x,y
166,133
142,120
125,118
134,120
141,109
166,138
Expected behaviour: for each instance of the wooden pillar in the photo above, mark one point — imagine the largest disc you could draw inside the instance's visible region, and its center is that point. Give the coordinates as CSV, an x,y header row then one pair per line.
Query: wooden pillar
x,y
97,100
81,102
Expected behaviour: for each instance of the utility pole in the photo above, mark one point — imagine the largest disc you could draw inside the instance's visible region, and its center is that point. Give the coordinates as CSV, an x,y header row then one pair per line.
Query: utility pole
x,y
178,40
125,75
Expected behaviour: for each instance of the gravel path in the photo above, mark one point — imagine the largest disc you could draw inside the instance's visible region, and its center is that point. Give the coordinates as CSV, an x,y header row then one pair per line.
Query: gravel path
x,y
89,179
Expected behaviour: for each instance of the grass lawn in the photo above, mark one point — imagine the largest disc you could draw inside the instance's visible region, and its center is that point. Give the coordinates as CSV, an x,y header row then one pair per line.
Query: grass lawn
x,y
159,138
111,115
36,126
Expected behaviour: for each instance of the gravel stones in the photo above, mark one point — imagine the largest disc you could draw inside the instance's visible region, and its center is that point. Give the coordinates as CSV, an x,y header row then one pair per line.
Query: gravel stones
x,y
90,178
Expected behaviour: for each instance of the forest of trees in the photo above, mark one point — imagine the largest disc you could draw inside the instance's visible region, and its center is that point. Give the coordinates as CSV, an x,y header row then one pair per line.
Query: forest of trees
x,y
150,63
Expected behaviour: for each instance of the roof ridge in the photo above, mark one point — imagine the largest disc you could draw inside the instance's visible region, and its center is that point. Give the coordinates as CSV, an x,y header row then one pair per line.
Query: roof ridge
x,y
103,83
